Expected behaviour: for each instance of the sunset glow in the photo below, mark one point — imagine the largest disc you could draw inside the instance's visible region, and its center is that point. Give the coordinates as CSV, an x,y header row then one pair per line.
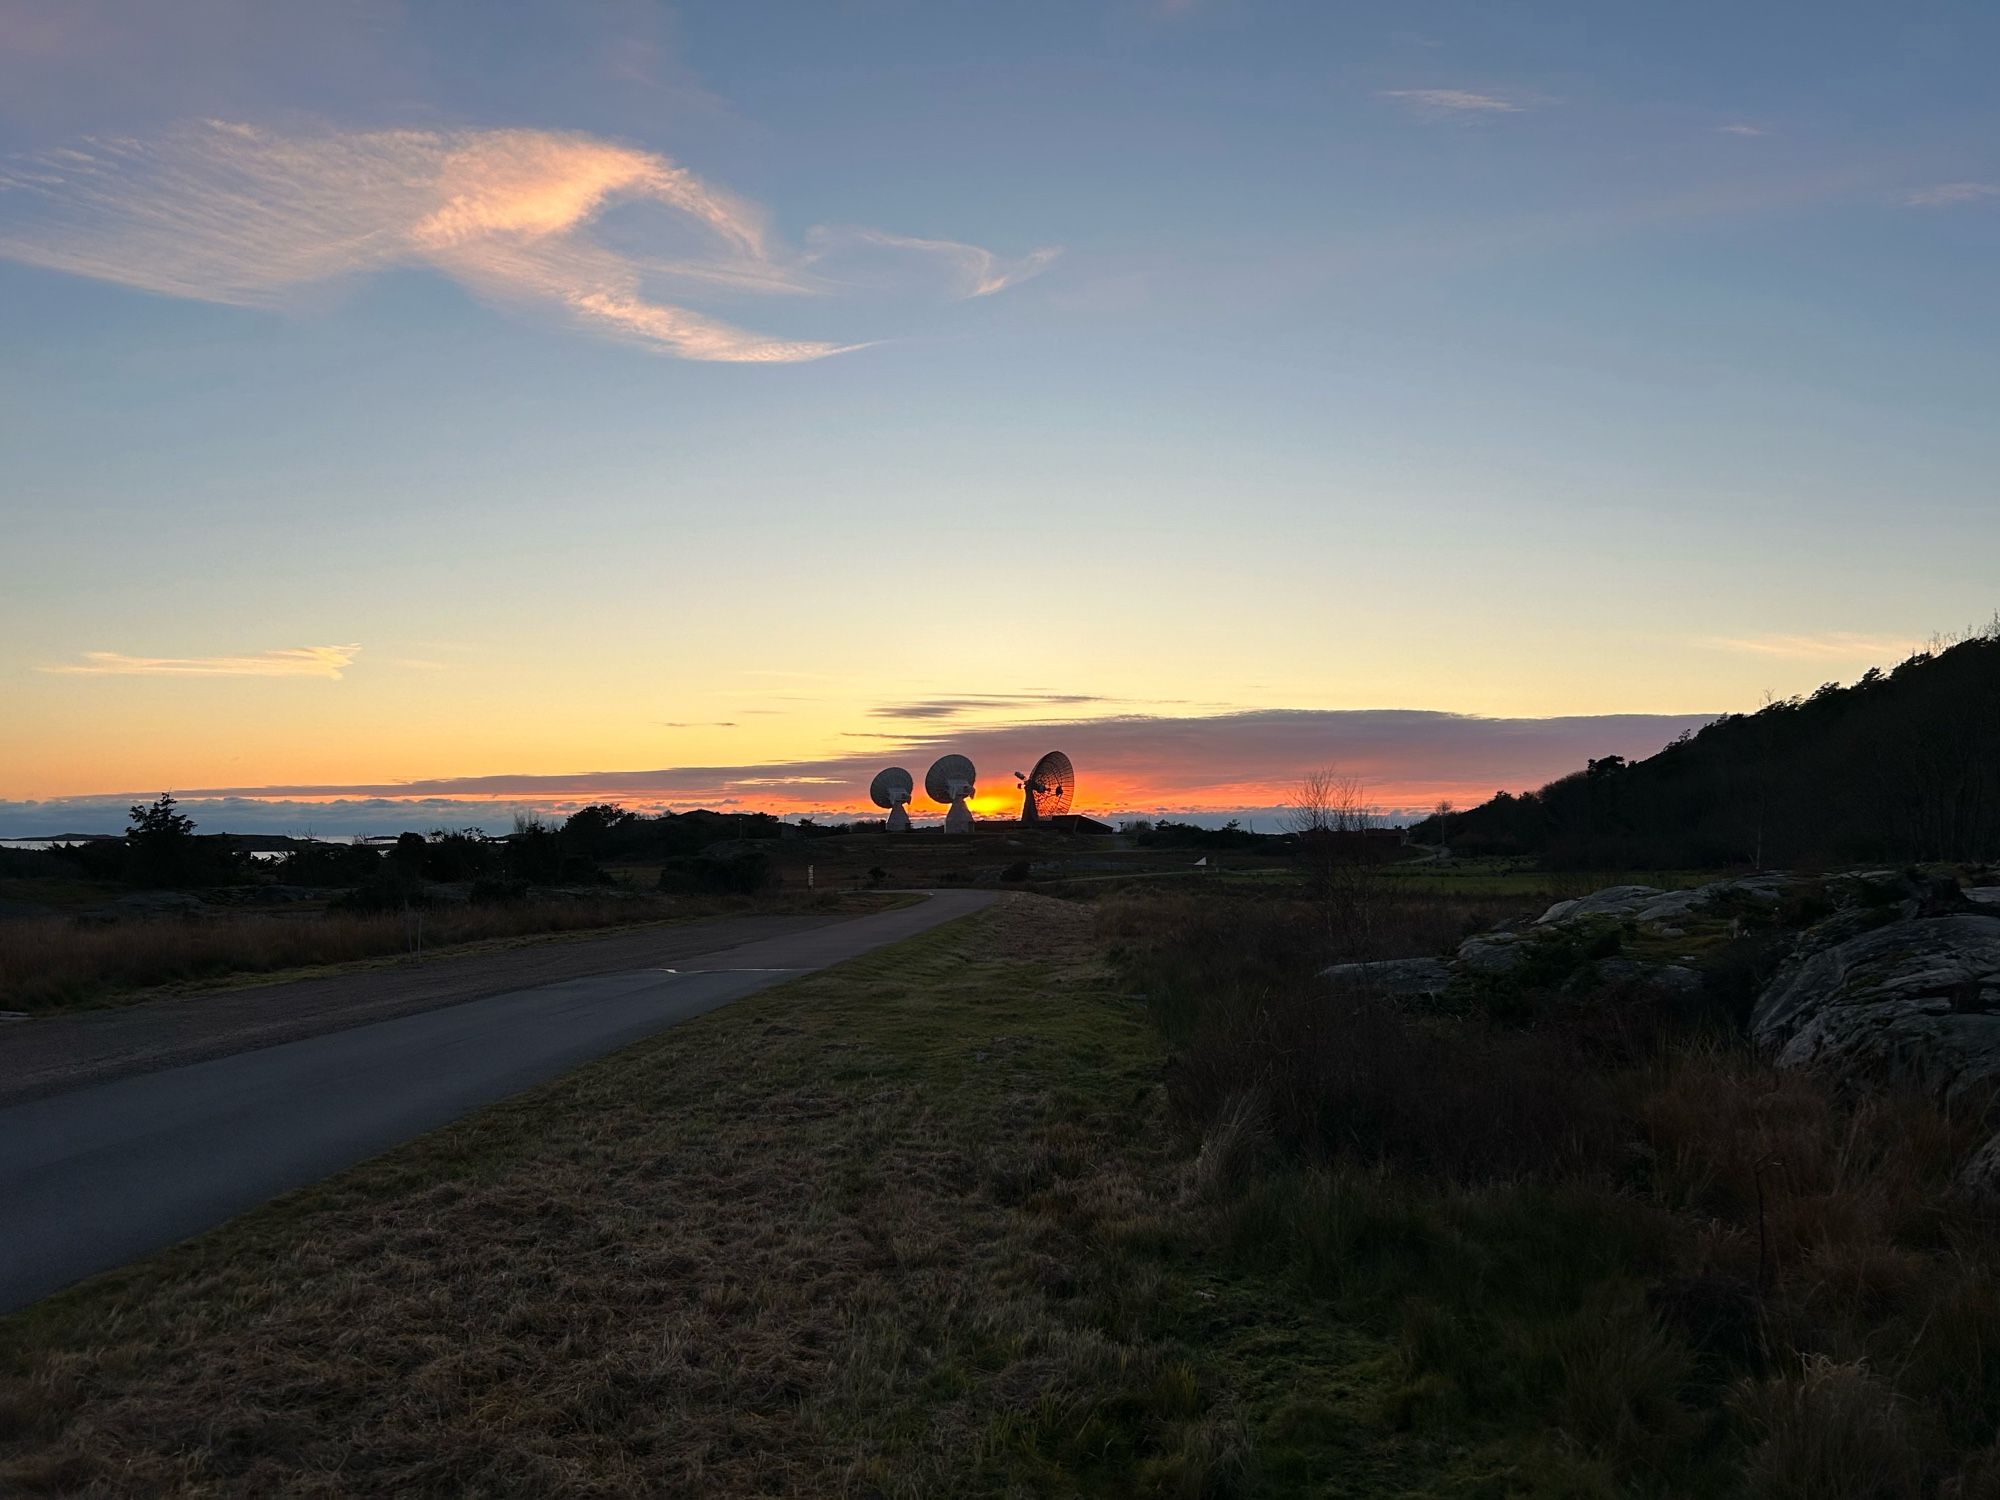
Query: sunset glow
x,y
617,409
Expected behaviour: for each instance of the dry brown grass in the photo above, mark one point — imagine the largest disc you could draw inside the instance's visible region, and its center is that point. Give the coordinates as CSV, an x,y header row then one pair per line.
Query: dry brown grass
x,y
861,1234
1589,1212
1878,1285
1239,929
52,962
1829,1431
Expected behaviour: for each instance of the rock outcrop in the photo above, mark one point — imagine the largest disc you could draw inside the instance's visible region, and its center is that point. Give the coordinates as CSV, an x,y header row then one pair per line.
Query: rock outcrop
x,y
1915,1001
1393,976
1645,903
1612,901
1897,982
1675,979
1492,953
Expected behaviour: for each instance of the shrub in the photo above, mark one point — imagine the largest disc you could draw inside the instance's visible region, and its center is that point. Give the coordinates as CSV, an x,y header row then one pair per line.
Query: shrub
x,y
1349,1075
743,874
330,864
465,854
393,887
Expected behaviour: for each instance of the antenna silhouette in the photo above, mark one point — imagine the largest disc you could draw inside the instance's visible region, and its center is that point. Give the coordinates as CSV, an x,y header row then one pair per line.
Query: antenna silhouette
x,y
950,780
1046,790
892,788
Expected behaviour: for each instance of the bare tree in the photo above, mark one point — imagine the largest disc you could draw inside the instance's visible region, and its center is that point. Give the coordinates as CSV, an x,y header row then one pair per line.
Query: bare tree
x,y
1331,818
1442,812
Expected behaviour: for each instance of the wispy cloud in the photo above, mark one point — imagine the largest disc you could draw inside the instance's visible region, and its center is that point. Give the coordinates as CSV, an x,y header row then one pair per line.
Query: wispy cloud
x,y
1838,645
1739,129
974,703
974,271
1946,194
1460,103
296,661
238,214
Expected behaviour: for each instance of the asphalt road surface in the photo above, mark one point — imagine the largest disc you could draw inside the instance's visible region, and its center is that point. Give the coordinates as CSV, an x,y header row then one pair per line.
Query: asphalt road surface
x,y
54,1053
101,1175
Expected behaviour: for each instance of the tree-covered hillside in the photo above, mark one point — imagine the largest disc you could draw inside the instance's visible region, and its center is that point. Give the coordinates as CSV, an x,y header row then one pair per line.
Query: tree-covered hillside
x,y
1901,765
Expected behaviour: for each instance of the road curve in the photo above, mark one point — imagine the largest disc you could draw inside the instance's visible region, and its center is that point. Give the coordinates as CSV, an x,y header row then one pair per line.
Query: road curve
x,y
102,1175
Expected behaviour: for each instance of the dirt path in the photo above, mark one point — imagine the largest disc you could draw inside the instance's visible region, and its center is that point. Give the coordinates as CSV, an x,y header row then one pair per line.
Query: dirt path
x,y
53,1054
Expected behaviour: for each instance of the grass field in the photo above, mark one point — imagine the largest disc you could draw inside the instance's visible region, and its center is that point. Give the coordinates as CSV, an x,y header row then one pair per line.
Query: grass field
x,y
914,1226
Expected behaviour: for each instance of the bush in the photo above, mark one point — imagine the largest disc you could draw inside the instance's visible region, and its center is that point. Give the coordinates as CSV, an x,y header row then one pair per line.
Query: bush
x,y
1350,1075
329,864
743,874
464,854
41,864
1017,871
390,890
100,859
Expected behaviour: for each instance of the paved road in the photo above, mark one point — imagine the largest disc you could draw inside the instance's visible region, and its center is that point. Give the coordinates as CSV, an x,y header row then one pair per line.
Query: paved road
x,y
52,1054
102,1175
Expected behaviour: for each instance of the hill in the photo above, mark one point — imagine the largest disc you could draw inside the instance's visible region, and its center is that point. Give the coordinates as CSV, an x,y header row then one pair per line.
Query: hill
x,y
1901,765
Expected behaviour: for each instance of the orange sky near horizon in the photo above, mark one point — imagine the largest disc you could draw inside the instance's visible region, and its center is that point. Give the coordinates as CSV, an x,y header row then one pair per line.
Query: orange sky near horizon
x,y
538,724
1246,763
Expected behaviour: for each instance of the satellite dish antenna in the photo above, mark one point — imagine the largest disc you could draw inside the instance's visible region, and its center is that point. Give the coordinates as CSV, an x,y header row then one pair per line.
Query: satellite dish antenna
x,y
1046,790
892,788
950,781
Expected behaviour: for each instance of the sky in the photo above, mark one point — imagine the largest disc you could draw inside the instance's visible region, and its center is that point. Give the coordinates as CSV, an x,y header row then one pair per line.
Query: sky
x,y
414,412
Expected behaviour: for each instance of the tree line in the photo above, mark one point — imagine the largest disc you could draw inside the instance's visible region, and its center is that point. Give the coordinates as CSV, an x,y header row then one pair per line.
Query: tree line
x,y
1899,766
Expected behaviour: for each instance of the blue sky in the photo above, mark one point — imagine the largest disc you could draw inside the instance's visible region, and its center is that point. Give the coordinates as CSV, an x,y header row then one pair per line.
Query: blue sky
x,y
1512,360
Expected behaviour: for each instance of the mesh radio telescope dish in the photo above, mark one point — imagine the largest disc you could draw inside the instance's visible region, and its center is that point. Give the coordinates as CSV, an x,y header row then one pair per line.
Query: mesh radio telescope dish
x,y
1046,790
892,788
950,780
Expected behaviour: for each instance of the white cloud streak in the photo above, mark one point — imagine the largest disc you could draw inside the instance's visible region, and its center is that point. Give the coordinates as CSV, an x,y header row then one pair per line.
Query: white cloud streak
x,y
1839,645
1459,102
975,271
238,214
1747,130
1948,194
296,661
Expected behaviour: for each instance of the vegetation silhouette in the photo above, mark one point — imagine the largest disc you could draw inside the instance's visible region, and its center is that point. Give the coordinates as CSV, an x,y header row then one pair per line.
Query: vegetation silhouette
x,y
1899,766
